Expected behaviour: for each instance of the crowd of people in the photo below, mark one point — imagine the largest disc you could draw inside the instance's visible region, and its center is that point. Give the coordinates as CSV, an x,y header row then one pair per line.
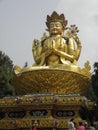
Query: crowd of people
x,y
80,126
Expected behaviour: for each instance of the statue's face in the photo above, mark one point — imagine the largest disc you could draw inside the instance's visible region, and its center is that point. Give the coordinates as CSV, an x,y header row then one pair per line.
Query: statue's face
x,y
55,28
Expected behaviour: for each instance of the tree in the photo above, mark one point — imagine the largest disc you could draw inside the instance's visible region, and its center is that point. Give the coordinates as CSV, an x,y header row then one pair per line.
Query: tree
x,y
94,79
6,74
91,94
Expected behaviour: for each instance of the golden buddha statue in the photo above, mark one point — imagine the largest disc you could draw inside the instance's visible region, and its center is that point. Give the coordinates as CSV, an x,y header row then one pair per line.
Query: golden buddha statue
x,y
55,69
57,48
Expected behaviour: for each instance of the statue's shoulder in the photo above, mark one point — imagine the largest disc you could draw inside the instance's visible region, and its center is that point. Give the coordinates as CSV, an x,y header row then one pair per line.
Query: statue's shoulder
x,y
66,39
44,38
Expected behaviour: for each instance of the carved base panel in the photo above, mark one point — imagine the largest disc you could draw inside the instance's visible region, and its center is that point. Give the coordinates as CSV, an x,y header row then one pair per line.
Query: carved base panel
x,y
41,110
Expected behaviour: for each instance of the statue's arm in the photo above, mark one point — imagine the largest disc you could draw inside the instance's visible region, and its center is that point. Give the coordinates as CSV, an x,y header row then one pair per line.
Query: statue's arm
x,y
71,47
72,33
67,55
37,51
42,55
64,55
78,49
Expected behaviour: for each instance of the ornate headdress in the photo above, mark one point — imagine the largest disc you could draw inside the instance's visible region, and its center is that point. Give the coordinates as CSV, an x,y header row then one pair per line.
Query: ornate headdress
x,y
56,17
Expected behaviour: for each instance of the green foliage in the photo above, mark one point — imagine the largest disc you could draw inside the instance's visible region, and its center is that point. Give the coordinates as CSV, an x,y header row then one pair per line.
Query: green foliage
x,y
6,74
91,95
94,80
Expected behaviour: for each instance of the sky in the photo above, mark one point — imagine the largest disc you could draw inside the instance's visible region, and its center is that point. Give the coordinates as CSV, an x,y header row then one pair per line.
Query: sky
x,y
21,21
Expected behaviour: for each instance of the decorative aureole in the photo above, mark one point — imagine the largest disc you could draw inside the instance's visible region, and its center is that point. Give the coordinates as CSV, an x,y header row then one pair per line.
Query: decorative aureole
x,y
56,55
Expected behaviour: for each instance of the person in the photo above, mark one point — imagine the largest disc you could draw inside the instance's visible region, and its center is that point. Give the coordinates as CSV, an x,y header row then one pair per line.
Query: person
x,y
91,127
33,128
71,125
81,126
56,48
86,124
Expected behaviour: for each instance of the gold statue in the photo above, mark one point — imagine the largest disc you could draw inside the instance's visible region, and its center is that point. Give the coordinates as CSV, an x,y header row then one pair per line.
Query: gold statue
x,y
57,48
55,69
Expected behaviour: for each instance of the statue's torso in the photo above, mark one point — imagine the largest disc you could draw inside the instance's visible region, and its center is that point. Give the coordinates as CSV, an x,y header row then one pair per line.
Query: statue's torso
x,y
58,43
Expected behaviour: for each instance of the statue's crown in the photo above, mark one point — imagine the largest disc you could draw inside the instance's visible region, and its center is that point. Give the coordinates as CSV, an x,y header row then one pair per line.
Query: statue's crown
x,y
56,17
